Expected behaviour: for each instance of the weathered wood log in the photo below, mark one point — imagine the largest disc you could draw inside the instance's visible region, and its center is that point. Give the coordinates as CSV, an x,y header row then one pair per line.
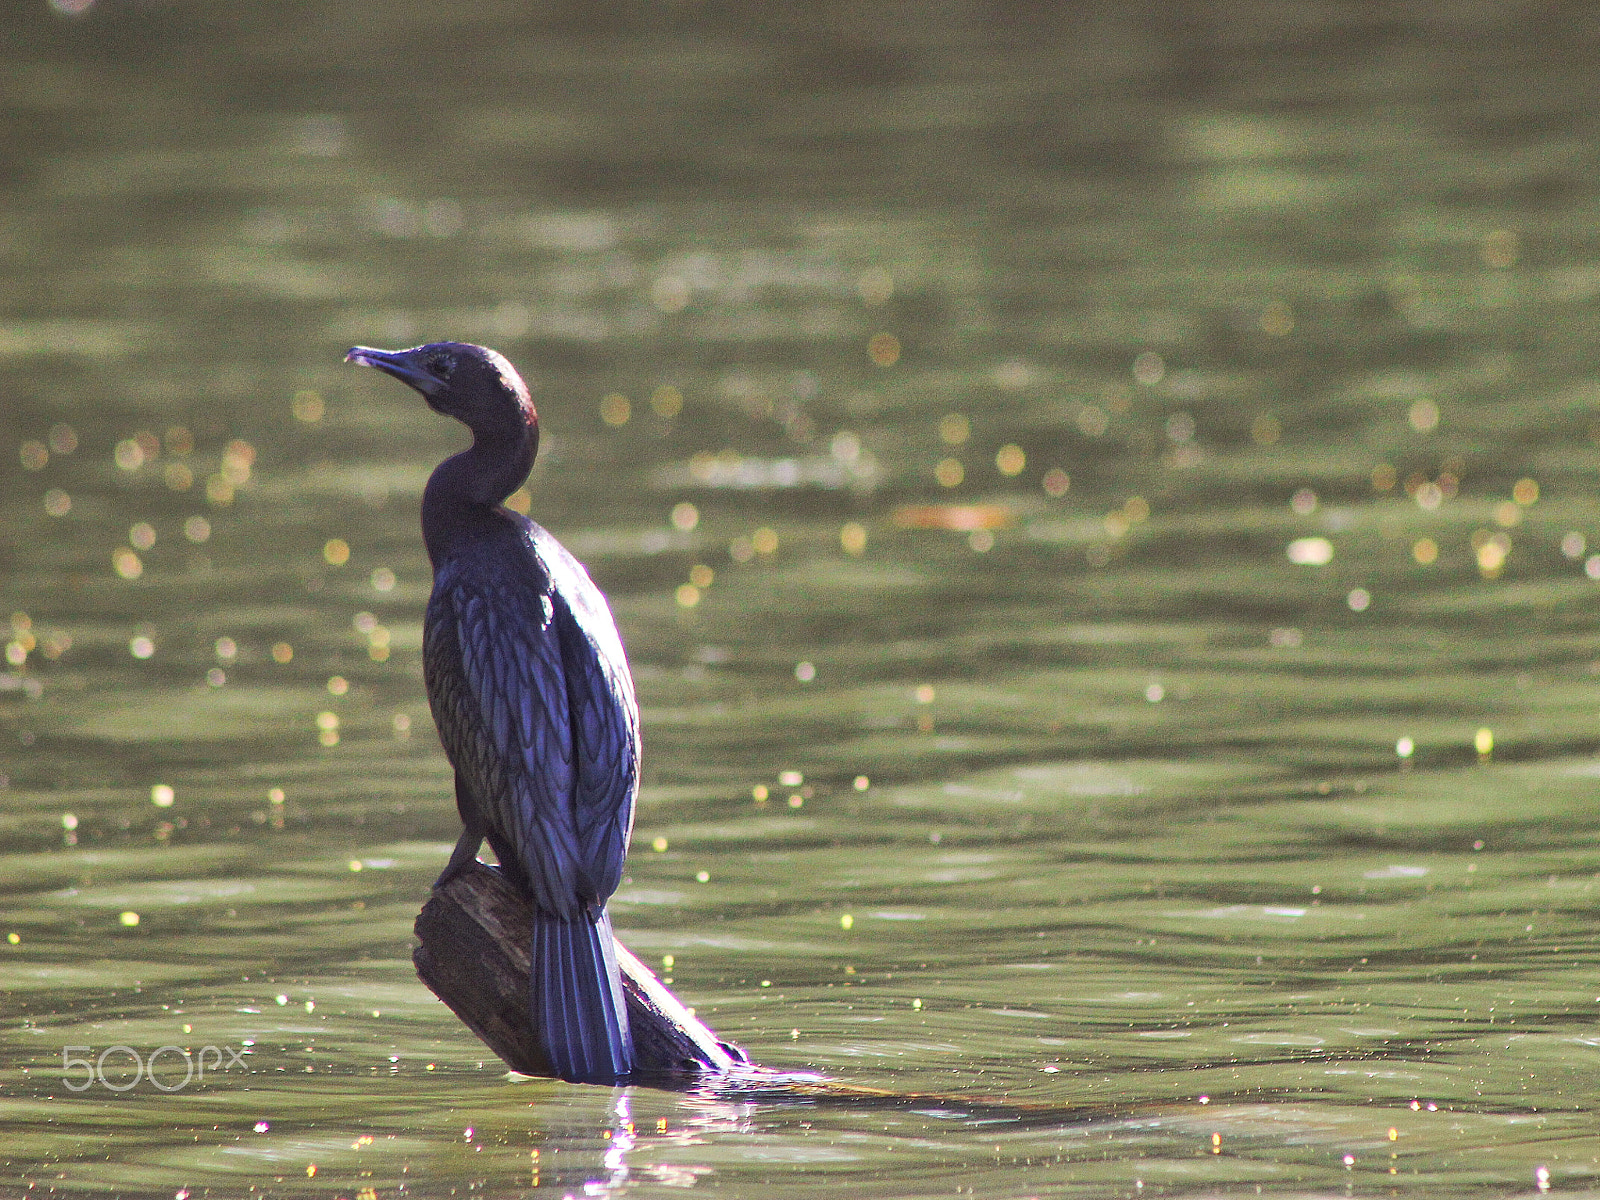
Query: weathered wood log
x,y
473,953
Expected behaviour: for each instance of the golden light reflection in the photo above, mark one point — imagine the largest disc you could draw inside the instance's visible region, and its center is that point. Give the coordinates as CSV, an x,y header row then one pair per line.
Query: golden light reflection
x,y
963,518
336,552
1056,482
615,409
954,429
666,401
1491,554
949,472
1425,551
1423,415
1010,460
237,459
765,541
884,349
853,538
1526,492
128,455
178,476
1310,552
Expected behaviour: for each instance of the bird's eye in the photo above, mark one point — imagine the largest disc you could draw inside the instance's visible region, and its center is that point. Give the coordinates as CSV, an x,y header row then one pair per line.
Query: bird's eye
x,y
440,365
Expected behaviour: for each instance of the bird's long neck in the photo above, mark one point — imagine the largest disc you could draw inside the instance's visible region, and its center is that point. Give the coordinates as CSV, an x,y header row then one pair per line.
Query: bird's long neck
x,y
466,488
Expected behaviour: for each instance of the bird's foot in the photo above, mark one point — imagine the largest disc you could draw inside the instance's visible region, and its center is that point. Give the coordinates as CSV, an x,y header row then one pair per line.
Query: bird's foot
x,y
463,856
451,871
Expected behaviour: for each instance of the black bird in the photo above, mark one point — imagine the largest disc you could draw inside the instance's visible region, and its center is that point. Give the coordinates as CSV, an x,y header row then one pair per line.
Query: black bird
x,y
530,690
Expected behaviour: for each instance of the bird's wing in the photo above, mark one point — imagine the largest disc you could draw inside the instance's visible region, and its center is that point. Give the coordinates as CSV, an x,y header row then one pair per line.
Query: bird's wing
x,y
605,718
605,738
521,748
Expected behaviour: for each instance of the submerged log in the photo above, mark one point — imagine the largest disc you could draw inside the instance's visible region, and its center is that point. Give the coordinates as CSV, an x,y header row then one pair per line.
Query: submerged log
x,y
473,953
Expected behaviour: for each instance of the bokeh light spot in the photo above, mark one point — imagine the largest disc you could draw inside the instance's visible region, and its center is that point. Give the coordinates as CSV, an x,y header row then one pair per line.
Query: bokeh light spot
x,y
615,409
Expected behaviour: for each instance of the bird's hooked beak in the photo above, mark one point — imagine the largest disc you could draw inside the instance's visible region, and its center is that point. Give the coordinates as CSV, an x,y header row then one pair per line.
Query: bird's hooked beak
x,y
402,365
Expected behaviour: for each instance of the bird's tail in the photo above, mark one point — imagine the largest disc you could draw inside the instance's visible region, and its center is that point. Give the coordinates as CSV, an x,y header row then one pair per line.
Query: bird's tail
x,y
575,994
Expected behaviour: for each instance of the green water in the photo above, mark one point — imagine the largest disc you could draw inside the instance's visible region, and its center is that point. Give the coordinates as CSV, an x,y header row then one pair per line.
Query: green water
x,y
1151,860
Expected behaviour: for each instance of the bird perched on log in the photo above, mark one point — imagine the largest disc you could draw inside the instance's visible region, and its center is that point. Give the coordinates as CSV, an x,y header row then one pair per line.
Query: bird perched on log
x,y
531,693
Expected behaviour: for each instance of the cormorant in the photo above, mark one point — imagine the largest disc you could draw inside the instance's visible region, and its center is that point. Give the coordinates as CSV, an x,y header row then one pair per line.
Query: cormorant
x,y
531,693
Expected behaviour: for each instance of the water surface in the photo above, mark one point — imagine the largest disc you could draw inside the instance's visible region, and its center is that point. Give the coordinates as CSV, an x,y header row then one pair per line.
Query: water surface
x,y
1100,509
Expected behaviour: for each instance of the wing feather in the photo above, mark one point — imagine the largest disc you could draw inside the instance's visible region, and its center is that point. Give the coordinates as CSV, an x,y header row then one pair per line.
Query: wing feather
x,y
605,718
517,754
534,703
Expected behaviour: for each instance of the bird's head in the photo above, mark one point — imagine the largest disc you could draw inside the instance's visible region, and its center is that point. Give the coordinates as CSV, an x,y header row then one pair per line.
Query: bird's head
x,y
473,384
